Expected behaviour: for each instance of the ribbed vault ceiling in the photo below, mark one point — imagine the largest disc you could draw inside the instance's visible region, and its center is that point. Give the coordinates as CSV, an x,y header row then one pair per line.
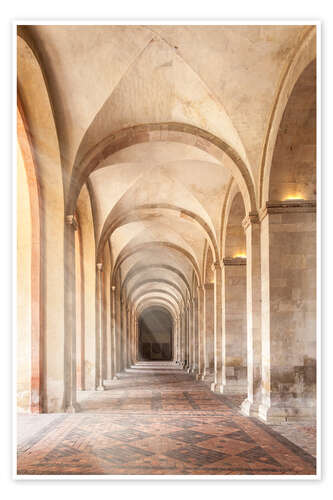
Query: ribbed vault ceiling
x,y
159,204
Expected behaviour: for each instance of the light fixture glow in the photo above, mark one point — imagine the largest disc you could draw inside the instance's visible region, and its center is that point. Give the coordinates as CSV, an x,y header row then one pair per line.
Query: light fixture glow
x,y
240,256
293,197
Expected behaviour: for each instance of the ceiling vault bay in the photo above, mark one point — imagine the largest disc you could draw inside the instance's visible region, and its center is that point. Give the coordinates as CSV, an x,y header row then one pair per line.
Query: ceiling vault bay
x,y
159,122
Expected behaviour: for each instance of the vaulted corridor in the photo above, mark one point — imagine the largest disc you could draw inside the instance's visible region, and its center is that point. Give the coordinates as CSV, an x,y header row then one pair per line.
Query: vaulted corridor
x,y
157,420
166,249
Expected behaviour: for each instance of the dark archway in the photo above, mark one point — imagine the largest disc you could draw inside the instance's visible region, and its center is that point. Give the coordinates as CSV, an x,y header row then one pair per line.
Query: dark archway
x,y
155,334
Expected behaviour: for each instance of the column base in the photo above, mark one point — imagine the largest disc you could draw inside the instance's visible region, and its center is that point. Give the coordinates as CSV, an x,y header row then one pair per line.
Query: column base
x,y
214,387
278,414
250,408
70,409
100,388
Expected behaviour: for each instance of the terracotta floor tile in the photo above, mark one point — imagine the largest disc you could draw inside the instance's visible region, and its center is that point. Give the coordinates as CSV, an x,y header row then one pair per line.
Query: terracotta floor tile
x,y
157,420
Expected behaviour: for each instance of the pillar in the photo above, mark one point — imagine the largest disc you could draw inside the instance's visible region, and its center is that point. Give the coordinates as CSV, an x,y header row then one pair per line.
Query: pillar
x,y
216,385
253,309
194,369
114,350
99,329
190,336
183,336
201,333
288,245
70,404
187,335
234,326
208,332
119,359
124,332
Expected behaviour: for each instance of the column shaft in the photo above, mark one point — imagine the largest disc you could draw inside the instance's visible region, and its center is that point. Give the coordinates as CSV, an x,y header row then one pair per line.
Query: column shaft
x,y
216,385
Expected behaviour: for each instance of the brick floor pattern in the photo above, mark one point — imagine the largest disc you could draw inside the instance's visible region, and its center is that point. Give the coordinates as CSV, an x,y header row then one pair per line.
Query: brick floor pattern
x,y
156,420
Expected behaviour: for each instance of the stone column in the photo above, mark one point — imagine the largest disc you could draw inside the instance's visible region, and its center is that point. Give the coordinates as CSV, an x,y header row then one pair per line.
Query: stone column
x,y
216,385
234,326
183,333
119,361
99,329
128,335
288,246
70,404
174,343
124,333
136,339
208,332
201,333
133,343
187,333
253,300
178,345
113,333
195,346
190,336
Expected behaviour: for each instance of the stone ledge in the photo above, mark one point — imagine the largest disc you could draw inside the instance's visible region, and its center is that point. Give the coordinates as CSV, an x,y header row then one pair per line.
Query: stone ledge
x,y
288,206
234,261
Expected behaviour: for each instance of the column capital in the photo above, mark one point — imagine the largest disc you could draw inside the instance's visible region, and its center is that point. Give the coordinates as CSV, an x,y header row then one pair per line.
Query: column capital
x,y
113,288
71,221
99,266
216,265
251,218
200,288
208,286
287,206
234,261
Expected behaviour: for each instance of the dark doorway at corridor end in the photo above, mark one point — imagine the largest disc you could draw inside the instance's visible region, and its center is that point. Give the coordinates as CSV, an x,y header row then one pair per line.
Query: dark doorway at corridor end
x,y
155,335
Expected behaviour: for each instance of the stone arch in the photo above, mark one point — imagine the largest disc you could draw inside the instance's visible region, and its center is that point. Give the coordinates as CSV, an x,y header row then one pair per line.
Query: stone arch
x,y
165,305
110,226
155,244
169,131
302,56
160,294
134,271
152,280
161,300
37,107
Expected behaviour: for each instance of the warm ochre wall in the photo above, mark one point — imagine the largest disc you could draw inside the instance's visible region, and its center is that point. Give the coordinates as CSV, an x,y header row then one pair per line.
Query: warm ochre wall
x,y
23,288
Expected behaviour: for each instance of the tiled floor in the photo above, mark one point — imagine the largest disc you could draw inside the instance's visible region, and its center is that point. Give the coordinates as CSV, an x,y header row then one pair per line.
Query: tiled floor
x,y
157,420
